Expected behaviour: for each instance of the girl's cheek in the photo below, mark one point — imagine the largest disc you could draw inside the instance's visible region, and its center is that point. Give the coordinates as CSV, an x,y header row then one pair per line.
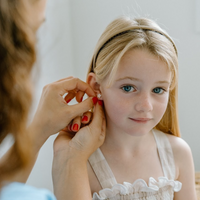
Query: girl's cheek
x,y
117,108
162,100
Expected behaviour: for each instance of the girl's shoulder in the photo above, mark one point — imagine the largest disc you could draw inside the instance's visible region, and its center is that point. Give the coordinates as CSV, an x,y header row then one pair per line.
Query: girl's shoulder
x,y
179,146
184,167
181,151
20,191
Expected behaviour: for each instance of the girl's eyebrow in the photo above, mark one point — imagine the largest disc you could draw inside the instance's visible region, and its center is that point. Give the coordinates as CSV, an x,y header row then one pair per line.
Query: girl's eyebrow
x,y
136,79
163,82
128,77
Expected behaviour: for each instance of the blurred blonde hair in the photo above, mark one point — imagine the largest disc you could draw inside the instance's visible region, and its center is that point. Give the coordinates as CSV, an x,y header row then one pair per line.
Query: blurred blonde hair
x,y
17,55
124,34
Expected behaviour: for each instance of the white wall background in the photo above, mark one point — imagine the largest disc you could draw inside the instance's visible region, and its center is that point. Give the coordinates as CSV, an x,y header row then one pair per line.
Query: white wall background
x,y
67,39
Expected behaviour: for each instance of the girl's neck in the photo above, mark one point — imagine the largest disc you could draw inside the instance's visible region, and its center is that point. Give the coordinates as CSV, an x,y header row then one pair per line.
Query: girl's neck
x,y
119,141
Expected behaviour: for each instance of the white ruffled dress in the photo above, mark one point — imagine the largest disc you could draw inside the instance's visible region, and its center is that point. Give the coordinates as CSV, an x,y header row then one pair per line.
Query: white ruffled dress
x,y
163,189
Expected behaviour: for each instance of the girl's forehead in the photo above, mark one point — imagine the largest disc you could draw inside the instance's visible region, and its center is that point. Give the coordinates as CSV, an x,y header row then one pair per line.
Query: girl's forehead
x,y
139,57
140,61
142,65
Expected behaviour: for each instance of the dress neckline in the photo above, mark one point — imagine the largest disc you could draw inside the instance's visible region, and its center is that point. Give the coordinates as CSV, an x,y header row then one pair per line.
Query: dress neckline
x,y
106,177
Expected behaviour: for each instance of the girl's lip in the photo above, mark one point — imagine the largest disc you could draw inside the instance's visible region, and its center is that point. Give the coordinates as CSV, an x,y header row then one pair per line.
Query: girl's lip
x,y
140,120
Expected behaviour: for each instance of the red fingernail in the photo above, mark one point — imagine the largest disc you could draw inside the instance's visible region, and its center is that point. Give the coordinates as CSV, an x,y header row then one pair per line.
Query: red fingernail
x,y
70,127
75,127
84,119
100,102
94,99
68,100
81,99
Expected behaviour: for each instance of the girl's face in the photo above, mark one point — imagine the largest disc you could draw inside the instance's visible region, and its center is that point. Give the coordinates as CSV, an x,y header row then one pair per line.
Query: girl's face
x,y
138,97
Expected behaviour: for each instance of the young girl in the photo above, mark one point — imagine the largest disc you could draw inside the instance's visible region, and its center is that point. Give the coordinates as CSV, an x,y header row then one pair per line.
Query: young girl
x,y
134,70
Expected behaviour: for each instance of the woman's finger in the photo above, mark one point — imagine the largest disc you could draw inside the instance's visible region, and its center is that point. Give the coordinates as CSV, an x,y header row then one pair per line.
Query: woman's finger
x,y
69,96
86,118
74,83
64,79
78,93
78,109
76,124
79,96
69,127
99,121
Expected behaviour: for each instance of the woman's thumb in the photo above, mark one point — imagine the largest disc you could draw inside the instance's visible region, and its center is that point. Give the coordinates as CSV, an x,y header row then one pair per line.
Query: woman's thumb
x,y
98,122
80,108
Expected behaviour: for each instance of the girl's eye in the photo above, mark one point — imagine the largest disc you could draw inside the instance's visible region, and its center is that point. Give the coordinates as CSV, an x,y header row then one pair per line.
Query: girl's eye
x,y
128,88
158,90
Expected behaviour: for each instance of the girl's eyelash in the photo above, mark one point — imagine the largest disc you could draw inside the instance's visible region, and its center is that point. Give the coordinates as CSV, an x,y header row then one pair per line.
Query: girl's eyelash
x,y
128,88
160,88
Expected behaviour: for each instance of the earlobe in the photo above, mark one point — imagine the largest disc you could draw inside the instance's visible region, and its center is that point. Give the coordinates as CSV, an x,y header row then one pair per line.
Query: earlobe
x,y
92,81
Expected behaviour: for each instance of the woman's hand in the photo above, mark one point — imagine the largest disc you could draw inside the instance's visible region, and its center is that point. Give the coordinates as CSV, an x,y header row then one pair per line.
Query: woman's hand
x,y
71,152
83,143
80,121
53,113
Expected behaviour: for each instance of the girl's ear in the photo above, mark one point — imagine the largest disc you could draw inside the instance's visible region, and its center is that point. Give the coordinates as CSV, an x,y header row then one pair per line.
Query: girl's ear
x,y
92,81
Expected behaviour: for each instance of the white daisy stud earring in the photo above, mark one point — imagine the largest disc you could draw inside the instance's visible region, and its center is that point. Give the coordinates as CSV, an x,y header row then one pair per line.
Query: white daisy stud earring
x,y
99,96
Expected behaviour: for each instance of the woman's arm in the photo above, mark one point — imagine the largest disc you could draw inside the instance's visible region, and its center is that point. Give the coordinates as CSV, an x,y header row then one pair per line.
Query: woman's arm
x,y
70,176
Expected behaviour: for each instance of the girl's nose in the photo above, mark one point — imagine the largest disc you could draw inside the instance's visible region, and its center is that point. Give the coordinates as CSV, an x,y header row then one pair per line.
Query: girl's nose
x,y
144,104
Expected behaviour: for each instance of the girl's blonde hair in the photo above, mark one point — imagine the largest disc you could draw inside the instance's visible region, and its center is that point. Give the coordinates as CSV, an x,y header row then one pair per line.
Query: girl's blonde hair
x,y
124,34
17,55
